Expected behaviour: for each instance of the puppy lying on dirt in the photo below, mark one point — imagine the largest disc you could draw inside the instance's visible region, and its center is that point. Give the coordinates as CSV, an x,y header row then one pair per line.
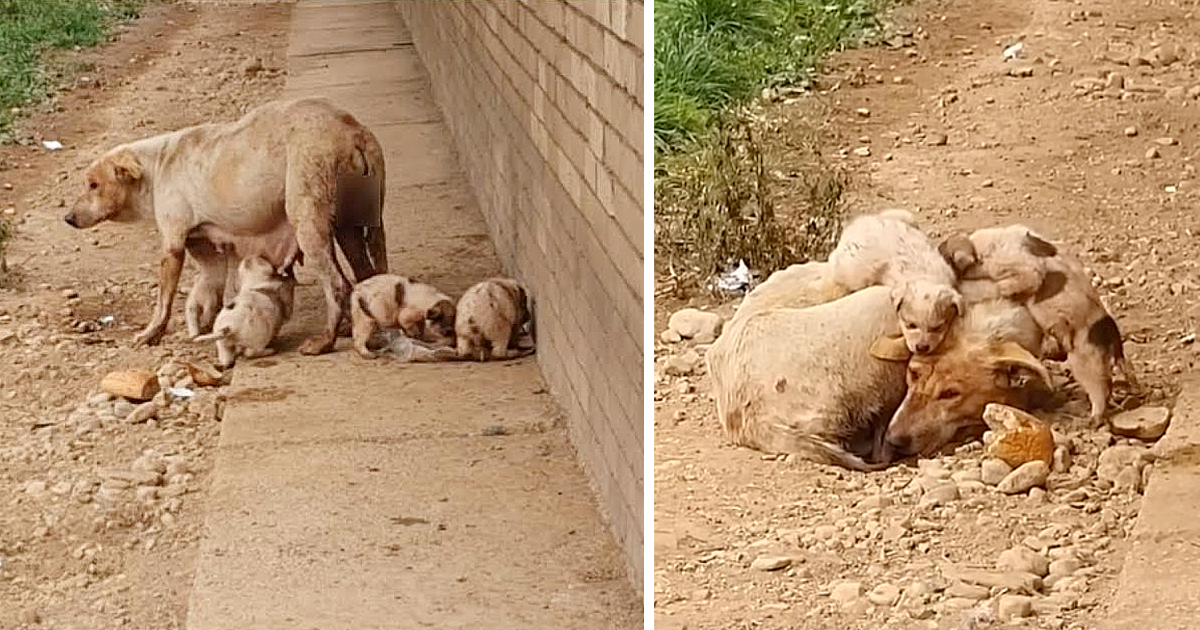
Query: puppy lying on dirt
x,y
283,181
1064,304
490,317
888,249
391,301
248,325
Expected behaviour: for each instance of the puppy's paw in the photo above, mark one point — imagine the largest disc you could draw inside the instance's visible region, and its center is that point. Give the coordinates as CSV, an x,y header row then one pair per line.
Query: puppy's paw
x,y
148,337
319,344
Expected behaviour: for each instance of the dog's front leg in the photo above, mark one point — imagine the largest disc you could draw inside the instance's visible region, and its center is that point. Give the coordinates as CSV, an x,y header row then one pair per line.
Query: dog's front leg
x,y
170,266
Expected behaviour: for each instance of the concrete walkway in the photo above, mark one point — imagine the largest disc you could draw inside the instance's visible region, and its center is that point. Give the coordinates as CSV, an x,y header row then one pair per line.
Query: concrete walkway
x,y
355,494
1160,581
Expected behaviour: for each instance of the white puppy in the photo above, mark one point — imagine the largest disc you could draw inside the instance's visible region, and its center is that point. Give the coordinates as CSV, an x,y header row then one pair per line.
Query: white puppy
x,y
248,324
889,249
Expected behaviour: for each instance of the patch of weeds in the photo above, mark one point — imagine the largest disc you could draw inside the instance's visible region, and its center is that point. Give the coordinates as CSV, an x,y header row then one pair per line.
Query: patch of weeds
x,y
30,28
716,205
710,54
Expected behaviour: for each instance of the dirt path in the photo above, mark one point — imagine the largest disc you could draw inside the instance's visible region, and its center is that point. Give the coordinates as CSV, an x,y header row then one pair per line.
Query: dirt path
x,y
964,139
78,549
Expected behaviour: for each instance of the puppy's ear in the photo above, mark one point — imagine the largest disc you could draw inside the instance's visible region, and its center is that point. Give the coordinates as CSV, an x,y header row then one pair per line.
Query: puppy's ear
x,y
890,349
126,166
898,293
959,303
1038,247
443,312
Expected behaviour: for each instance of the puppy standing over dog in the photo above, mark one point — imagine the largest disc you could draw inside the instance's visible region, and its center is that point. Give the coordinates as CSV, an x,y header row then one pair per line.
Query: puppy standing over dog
x,y
302,170
248,325
490,317
391,301
1064,304
888,249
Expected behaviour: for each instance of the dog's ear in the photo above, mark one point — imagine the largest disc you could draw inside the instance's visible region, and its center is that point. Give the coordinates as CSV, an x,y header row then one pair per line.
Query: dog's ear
x,y
890,349
959,303
443,312
126,166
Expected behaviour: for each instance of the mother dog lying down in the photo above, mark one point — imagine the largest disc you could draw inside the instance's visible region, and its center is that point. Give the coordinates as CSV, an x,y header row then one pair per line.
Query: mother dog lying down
x,y
803,380
282,181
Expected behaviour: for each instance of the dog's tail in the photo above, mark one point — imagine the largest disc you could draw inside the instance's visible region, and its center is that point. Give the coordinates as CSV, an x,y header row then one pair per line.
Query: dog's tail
x,y
215,335
1105,334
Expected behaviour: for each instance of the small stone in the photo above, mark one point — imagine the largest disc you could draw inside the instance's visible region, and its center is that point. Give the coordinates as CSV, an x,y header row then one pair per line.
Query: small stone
x,y
1066,565
61,488
862,152
993,471
692,323
1164,55
1010,607
770,563
1131,132
1128,480
968,591
99,399
1175,93
252,66
884,595
967,476
987,183
670,336
1025,477
1193,92
876,501
941,494
146,494
1143,423
1013,581
69,293
1022,72
1024,560
1166,141
132,477
936,139
142,413
846,593
682,365
1115,459
35,488
30,616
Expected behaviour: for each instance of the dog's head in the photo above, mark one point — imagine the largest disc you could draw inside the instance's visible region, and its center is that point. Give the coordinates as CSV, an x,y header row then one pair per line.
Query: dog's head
x,y
948,392
926,310
110,185
439,323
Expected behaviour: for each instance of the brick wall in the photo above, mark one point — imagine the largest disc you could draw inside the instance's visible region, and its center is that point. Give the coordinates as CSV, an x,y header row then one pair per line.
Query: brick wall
x,y
545,102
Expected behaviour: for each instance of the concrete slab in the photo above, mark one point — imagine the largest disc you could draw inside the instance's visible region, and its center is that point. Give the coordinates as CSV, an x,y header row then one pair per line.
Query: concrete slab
x,y
1160,580
356,494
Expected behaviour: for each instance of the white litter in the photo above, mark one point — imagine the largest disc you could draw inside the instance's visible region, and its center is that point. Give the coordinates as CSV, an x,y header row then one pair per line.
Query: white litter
x,y
1014,51
180,392
107,319
52,145
409,350
737,280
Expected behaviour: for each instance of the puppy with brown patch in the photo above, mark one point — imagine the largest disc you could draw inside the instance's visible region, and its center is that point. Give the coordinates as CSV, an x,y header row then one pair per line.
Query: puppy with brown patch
x,y
1063,303
248,325
490,317
889,249
391,301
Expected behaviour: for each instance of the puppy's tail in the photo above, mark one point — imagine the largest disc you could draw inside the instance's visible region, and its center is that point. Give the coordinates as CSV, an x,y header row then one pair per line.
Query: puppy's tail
x,y
215,335
1105,334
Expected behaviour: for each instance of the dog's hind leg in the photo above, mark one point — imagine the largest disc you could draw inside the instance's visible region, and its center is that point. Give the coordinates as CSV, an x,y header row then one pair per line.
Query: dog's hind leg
x,y
354,246
310,205
208,293
1091,367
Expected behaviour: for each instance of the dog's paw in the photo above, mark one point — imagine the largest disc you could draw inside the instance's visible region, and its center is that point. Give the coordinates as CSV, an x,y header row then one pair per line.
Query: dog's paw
x,y
319,344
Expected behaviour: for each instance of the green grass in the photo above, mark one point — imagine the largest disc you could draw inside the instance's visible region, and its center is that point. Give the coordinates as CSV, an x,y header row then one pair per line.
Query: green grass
x,y
711,54
29,28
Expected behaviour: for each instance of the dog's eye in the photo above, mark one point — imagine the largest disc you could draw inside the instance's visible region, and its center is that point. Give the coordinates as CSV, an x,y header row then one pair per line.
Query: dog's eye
x,y
93,185
947,394
910,326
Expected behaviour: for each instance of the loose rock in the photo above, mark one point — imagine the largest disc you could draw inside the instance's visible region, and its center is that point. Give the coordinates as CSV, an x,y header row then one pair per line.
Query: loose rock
x,y
846,593
1025,477
1143,423
884,595
1024,560
993,471
693,323
682,365
770,563
142,413
1010,607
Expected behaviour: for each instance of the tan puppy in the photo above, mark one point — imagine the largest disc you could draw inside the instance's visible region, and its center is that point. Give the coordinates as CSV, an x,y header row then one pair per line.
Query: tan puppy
x,y
888,249
250,322
391,301
286,179
1013,256
490,317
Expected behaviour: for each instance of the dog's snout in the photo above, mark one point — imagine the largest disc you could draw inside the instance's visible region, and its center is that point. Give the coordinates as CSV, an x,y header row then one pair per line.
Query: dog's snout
x,y
922,348
71,220
898,446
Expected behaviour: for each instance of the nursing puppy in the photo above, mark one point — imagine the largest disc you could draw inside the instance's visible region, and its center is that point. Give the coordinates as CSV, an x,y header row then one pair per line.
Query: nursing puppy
x,y
489,320
248,324
888,249
391,301
1064,304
